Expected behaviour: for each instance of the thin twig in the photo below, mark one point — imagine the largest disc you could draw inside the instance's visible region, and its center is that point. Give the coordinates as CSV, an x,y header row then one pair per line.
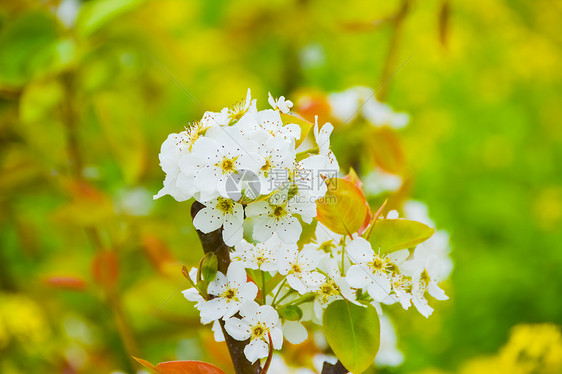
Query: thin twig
x,y
392,54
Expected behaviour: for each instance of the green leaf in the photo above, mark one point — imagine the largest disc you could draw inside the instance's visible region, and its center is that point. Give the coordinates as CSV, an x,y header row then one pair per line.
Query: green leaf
x,y
394,234
304,125
308,232
26,47
95,14
274,281
128,143
209,267
344,208
290,312
353,333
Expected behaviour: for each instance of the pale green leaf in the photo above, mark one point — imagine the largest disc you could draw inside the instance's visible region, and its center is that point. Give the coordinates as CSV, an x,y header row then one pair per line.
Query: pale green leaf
x,y
353,333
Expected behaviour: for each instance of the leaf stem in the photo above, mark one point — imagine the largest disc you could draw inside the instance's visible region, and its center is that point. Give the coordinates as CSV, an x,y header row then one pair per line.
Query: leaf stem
x,y
278,291
263,290
342,269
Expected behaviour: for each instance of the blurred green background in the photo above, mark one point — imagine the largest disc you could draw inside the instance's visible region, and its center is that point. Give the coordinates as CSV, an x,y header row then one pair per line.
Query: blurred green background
x,y
89,264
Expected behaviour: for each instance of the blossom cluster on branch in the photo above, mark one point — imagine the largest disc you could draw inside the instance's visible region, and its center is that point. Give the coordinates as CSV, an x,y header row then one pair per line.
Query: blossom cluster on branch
x,y
258,184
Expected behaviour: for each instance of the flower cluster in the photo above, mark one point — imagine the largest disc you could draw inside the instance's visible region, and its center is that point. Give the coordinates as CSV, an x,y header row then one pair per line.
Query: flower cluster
x,y
280,279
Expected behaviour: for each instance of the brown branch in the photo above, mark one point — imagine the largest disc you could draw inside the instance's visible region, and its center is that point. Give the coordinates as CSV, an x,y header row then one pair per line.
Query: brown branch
x,y
213,242
71,121
336,368
392,54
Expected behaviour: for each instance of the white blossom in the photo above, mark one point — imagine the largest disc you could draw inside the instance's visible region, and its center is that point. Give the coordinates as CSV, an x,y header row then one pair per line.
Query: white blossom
x,y
221,212
371,270
361,102
294,332
262,256
275,215
229,292
260,324
222,153
299,268
322,137
284,106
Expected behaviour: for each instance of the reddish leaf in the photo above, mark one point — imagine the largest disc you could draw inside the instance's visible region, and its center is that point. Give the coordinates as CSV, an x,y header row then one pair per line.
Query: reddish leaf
x,y
105,269
145,363
66,282
157,252
387,150
314,104
354,178
181,367
344,208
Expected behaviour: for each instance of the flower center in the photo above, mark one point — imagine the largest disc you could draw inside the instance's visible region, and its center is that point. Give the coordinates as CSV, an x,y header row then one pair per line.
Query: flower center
x,y
190,135
377,264
278,211
259,331
296,268
226,206
425,277
237,111
227,165
326,289
265,168
230,295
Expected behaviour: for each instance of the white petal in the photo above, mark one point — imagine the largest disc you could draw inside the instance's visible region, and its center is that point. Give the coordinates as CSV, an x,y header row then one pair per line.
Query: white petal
x,y
212,310
231,308
309,258
192,294
313,280
297,284
236,275
268,315
294,332
217,332
189,165
207,220
238,328
422,306
276,337
207,178
207,150
233,232
379,287
217,285
249,310
435,291
248,292
257,209
264,228
397,257
359,251
358,276
290,231
256,349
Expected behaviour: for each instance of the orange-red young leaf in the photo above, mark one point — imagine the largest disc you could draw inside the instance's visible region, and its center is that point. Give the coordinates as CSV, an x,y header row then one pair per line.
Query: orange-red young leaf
x,y
310,105
344,208
105,269
386,149
66,282
181,367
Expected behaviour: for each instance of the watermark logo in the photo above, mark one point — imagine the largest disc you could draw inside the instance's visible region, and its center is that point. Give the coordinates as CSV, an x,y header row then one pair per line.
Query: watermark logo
x,y
244,184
